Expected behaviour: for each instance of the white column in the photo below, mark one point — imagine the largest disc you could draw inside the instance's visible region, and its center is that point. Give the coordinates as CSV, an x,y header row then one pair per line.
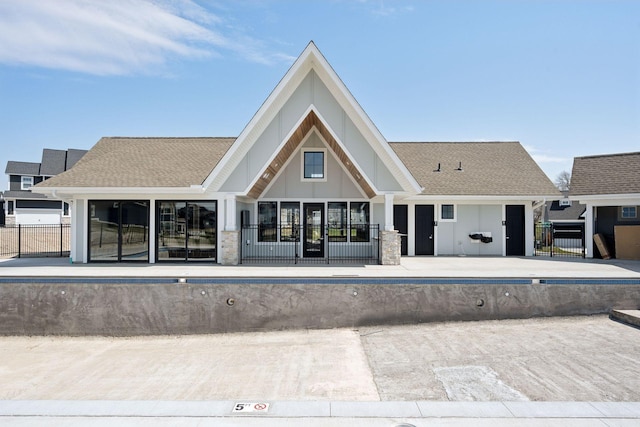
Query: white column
x,y
85,229
388,212
152,232
589,218
230,223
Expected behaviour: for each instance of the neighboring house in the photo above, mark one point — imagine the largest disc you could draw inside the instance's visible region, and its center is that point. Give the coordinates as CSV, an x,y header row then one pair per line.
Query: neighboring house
x,y
609,187
564,211
310,157
21,205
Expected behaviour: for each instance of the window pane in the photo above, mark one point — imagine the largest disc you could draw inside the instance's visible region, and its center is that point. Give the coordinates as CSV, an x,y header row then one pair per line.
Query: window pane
x,y
267,212
27,182
201,231
289,221
337,221
447,212
103,230
314,164
135,231
629,212
359,221
172,222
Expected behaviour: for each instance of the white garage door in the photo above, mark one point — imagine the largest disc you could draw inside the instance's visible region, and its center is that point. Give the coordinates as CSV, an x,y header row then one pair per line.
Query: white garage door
x,y
38,217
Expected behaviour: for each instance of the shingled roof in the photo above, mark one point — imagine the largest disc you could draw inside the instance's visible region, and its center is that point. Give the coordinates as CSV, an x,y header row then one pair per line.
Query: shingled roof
x,y
144,162
606,174
22,168
474,169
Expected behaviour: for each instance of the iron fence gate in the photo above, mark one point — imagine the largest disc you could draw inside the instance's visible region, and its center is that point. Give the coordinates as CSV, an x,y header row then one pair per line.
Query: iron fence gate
x,y
559,240
309,244
48,240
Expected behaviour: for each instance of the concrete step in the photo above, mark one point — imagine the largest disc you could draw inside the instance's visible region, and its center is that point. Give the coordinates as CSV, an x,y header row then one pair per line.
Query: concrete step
x,y
630,317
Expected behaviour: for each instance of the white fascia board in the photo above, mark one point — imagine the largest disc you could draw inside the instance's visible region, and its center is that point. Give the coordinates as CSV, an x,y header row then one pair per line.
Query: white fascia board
x,y
497,199
260,120
310,59
606,199
365,125
73,191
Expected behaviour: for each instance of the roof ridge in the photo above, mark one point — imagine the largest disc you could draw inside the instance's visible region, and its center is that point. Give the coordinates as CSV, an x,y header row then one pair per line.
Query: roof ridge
x,y
609,155
169,137
453,142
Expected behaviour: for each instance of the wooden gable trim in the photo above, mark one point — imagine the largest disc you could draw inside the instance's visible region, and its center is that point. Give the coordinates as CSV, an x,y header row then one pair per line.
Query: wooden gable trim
x,y
269,173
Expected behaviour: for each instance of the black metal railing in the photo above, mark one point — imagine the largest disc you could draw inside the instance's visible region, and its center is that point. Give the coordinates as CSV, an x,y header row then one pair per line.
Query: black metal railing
x,y
49,240
559,240
300,244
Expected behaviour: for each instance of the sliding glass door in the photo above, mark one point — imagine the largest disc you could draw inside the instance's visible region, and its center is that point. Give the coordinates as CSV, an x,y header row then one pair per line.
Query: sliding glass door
x,y
119,230
186,231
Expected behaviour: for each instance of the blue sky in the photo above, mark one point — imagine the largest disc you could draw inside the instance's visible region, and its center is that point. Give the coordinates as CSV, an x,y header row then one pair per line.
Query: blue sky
x,y
561,77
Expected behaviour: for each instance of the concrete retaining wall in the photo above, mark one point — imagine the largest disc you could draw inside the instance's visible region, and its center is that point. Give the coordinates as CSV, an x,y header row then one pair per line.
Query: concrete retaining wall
x,y
148,308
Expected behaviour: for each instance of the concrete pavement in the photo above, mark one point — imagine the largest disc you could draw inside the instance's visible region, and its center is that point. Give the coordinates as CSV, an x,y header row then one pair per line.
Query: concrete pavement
x,y
452,267
580,371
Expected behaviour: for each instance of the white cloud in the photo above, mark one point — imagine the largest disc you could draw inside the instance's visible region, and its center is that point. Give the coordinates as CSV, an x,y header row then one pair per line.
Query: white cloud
x,y
117,36
542,157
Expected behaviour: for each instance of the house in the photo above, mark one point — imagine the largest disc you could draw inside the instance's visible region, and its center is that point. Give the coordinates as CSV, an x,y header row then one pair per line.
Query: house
x,y
21,205
309,179
564,211
609,187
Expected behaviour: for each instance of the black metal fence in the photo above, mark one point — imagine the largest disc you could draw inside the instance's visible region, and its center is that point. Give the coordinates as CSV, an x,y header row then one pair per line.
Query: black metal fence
x,y
35,241
298,244
559,240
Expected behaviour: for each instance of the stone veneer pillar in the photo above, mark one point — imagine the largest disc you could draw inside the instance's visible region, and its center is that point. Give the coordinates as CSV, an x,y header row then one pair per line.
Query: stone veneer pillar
x,y
230,247
390,247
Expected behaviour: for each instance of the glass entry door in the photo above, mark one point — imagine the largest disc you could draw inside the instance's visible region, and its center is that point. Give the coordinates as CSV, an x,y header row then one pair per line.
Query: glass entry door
x,y
313,230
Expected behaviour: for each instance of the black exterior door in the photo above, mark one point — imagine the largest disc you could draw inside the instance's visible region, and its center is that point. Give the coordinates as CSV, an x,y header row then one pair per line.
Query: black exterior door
x,y
424,230
401,223
313,230
515,230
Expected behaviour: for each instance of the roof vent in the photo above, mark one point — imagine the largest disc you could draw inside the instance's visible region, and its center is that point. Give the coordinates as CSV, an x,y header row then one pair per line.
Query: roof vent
x,y
459,168
437,170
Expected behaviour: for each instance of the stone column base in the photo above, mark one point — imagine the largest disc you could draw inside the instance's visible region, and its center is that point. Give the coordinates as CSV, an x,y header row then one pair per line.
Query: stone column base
x,y
390,247
229,247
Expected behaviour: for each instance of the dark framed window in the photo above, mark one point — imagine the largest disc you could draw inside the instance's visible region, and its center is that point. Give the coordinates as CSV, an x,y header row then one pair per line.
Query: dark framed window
x,y
267,221
10,207
289,221
359,213
337,221
313,165
447,212
65,208
186,230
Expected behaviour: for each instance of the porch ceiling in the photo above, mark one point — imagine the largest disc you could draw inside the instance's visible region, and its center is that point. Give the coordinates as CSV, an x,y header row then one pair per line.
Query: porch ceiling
x,y
307,125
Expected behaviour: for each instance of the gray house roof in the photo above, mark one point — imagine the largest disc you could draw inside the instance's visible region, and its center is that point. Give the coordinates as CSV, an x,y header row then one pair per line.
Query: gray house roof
x,y
23,194
53,162
22,168
144,162
606,174
488,168
73,155
474,169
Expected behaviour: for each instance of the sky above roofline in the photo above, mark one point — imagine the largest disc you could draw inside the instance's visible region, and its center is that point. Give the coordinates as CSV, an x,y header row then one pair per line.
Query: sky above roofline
x,y
560,76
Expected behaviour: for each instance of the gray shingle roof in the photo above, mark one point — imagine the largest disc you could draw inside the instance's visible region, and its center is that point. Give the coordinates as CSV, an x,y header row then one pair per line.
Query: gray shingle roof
x,y
488,169
555,212
23,194
53,162
22,168
606,174
73,155
144,162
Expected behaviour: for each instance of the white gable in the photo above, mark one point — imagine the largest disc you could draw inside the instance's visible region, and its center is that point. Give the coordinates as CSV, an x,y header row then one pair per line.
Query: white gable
x,y
311,86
